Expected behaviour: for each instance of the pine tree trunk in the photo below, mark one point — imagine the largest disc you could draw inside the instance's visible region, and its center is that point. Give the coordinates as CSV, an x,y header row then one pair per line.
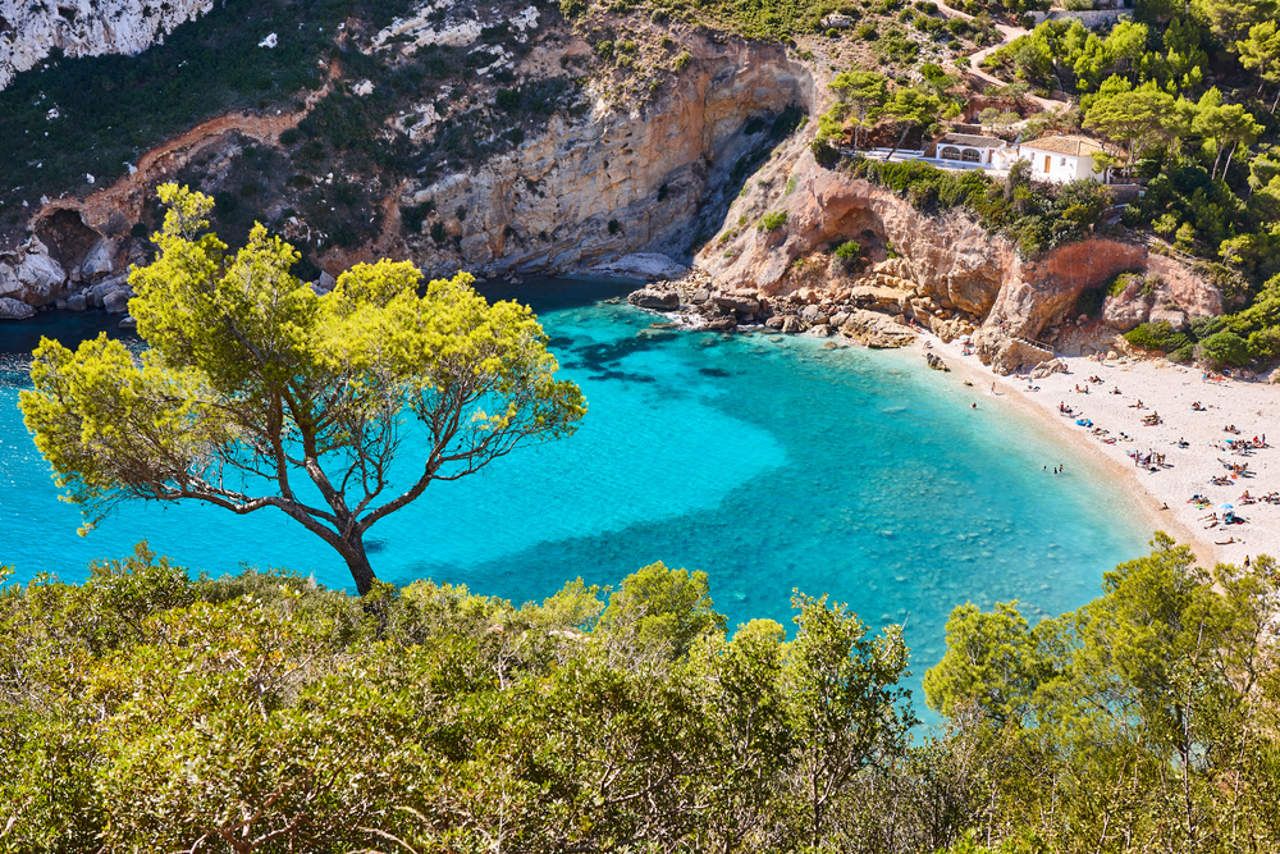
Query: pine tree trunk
x,y
901,139
358,562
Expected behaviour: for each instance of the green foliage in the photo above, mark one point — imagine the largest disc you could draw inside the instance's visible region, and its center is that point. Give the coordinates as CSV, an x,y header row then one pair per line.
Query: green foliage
x,y
1144,701
773,220
1144,284
145,709
1035,217
661,610
1157,336
1224,348
1259,324
994,662
150,711
849,255
253,383
774,20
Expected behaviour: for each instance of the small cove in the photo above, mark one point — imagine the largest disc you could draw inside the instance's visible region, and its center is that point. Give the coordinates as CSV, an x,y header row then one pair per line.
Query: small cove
x,y
771,462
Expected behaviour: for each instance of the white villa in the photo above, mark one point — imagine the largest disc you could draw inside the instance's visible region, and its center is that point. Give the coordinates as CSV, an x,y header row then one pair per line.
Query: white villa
x,y
1059,159
1056,159
968,148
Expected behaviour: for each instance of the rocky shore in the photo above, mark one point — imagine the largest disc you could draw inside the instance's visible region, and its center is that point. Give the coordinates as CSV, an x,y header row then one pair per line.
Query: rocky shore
x,y
32,277
881,309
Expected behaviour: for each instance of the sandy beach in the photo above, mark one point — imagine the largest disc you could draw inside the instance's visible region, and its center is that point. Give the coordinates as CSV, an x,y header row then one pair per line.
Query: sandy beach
x,y
1193,443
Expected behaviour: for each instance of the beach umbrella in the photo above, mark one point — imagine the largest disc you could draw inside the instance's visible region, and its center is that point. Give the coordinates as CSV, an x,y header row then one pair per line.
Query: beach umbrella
x,y
1226,507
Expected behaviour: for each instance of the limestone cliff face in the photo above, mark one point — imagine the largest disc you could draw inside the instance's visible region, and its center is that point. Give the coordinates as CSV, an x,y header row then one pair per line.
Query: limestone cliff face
x,y
953,263
591,189
594,184
955,258
30,30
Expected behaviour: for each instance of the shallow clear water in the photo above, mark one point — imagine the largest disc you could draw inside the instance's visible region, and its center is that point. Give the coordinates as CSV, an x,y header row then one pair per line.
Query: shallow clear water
x,y
768,461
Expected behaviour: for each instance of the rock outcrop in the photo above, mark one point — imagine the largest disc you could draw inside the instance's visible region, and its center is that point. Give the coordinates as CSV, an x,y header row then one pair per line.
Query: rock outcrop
x,y
623,190
933,270
62,274
1168,292
611,183
30,31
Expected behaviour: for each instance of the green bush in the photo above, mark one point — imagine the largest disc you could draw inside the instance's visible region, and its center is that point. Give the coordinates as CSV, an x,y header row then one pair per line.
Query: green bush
x,y
773,220
1224,348
1265,343
1157,336
1203,327
849,254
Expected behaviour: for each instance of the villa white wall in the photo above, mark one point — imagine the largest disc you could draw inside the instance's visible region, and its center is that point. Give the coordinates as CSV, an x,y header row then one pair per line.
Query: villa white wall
x,y
1062,167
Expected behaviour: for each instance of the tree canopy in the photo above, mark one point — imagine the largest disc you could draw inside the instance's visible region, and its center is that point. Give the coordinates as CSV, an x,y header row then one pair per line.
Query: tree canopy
x,y
255,392
148,710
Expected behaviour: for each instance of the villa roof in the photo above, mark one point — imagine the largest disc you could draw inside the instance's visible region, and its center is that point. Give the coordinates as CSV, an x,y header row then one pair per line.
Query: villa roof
x,y
1073,144
971,140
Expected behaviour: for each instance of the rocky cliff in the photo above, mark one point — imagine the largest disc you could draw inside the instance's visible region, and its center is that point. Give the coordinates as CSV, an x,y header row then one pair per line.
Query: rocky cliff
x,y
501,138
590,189
519,158
942,271
30,31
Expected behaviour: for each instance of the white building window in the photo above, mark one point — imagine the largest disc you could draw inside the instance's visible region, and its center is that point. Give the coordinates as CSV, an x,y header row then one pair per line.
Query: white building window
x,y
950,153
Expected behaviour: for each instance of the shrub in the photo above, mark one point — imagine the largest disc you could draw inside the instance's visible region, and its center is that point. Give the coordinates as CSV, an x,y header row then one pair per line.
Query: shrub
x,y
412,216
1185,237
1165,225
1265,343
1224,348
773,220
508,100
1157,336
1203,327
849,254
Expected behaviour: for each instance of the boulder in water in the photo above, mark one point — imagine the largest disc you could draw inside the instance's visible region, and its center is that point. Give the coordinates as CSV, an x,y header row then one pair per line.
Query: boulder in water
x,y
12,309
654,298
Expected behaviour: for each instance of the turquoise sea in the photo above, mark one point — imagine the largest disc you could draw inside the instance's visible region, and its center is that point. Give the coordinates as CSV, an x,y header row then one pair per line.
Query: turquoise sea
x,y
768,461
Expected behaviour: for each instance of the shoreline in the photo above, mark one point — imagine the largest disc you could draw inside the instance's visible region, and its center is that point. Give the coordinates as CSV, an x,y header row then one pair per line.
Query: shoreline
x,y
1161,498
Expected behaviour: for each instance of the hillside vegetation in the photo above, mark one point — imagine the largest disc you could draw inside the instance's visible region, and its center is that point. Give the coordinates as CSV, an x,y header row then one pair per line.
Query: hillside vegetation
x,y
145,710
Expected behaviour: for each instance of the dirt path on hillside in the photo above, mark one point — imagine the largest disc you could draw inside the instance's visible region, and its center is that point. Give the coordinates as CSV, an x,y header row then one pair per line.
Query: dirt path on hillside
x,y
103,209
1008,33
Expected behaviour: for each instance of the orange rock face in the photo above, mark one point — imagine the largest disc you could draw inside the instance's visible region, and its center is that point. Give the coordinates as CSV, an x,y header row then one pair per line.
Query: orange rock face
x,y
951,258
